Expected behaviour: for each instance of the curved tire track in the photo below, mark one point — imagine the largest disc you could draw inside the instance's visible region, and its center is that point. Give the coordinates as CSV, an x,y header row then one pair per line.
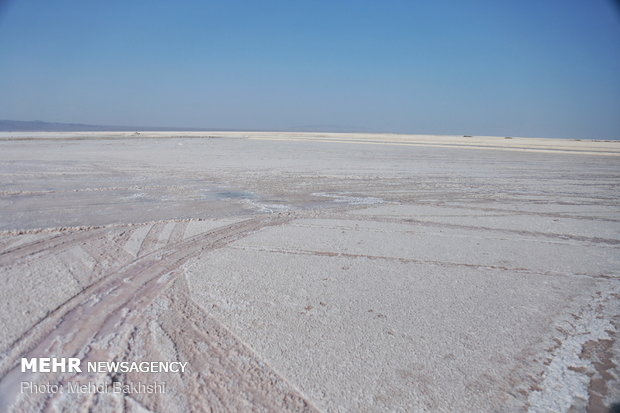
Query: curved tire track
x,y
98,316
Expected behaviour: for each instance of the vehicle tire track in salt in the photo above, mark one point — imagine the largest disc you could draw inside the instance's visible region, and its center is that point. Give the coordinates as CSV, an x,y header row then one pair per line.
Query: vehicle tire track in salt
x,y
426,223
177,233
223,373
149,239
157,237
9,243
227,377
95,316
90,247
134,242
47,246
107,254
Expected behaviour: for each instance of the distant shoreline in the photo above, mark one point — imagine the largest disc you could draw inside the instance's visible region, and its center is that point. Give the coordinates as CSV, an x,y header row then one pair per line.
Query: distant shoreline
x,y
546,145
11,126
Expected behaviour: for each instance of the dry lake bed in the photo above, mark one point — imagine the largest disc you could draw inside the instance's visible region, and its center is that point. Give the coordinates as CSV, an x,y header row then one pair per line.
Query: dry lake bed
x,y
310,272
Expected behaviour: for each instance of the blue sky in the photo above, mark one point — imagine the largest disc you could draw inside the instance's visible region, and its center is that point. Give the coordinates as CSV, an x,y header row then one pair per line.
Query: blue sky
x,y
510,68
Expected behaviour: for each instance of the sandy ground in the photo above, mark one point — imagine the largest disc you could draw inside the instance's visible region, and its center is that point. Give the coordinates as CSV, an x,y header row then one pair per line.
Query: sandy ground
x,y
312,272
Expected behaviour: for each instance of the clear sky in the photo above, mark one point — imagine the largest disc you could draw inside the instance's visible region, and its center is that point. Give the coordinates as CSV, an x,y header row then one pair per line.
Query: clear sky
x,y
548,68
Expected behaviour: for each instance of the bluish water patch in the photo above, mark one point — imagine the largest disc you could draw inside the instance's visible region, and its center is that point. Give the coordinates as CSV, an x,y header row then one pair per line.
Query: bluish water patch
x,y
223,195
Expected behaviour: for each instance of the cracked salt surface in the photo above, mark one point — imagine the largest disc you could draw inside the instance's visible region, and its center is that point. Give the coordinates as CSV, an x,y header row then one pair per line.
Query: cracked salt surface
x,y
566,381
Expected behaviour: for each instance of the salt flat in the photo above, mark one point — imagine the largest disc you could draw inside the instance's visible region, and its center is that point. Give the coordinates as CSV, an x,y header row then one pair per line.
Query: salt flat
x,y
313,272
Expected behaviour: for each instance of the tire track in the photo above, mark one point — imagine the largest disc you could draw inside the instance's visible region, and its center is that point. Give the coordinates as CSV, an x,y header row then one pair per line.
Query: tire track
x,y
223,374
150,239
95,317
230,376
107,254
177,233
538,234
47,246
